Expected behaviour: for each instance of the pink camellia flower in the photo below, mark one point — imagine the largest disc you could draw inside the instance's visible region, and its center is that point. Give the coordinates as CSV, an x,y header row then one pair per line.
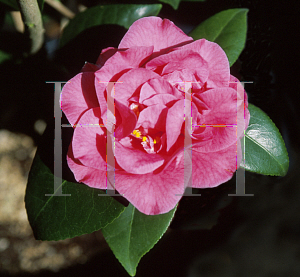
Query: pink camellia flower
x,y
138,127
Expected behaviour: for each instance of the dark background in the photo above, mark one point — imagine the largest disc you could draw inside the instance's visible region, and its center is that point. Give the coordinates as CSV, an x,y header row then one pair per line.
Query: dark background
x,y
253,236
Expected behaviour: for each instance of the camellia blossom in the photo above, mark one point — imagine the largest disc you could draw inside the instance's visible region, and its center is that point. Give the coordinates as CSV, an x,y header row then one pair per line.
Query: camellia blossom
x,y
158,114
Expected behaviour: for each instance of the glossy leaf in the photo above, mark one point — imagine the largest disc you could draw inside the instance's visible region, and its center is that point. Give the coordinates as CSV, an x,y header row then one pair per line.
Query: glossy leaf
x,y
13,4
61,217
120,14
228,29
133,234
265,151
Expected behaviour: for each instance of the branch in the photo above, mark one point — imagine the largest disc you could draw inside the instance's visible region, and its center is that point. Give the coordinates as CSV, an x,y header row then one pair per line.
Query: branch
x,y
33,23
60,8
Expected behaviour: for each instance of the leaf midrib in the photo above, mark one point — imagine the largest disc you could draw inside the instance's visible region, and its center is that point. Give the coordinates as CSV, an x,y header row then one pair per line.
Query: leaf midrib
x,y
129,242
48,201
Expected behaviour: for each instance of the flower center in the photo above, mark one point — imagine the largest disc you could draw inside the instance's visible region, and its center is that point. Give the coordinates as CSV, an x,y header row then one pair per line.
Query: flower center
x,y
151,145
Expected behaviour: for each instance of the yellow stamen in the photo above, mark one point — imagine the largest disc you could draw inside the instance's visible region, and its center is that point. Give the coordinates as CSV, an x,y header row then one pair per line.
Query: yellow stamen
x,y
144,138
138,134
154,141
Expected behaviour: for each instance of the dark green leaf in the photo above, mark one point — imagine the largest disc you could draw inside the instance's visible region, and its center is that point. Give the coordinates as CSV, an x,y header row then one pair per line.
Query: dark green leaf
x,y
13,4
265,151
121,14
175,3
4,56
228,29
133,234
61,217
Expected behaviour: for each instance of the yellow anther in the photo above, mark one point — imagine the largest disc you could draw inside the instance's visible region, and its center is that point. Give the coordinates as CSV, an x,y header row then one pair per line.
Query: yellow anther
x,y
144,138
154,141
136,133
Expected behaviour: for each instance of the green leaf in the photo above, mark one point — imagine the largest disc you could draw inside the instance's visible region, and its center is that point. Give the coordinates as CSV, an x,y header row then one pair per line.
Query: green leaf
x,y
228,29
175,3
4,56
265,151
13,4
120,14
61,217
133,234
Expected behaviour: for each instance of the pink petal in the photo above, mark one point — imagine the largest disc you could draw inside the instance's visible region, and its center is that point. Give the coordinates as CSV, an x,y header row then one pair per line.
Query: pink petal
x,y
213,54
133,57
89,140
180,60
128,121
78,95
211,169
157,86
153,117
89,67
163,99
153,31
156,193
175,119
137,161
115,66
179,78
131,82
105,55
90,176
222,106
234,83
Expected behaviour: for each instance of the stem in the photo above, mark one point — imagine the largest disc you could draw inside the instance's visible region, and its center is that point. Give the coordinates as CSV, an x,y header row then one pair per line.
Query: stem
x,y
60,8
33,23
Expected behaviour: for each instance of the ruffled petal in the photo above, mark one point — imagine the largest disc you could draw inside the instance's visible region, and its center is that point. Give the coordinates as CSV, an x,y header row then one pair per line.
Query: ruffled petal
x,y
92,177
163,99
175,119
89,140
179,79
211,169
153,117
115,67
180,60
137,161
157,86
218,65
131,82
133,57
153,31
221,118
128,123
242,106
105,55
78,95
156,193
